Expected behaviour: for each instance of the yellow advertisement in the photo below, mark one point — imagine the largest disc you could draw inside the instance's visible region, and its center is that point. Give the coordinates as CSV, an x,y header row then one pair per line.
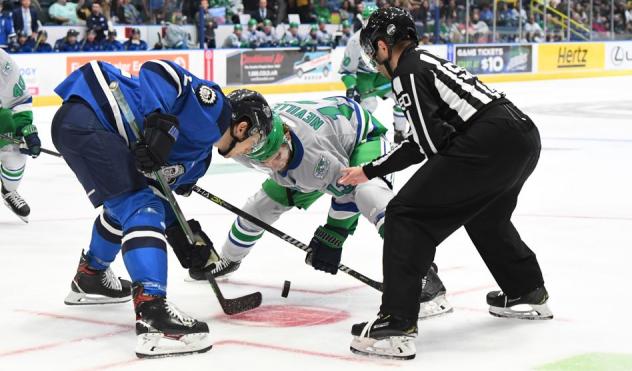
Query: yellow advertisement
x,y
573,56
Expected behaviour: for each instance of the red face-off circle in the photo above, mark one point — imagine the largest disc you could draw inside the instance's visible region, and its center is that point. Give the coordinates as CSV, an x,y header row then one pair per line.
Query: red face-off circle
x,y
288,316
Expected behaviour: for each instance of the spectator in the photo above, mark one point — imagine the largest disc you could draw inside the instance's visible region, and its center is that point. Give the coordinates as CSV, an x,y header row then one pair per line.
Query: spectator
x,y
503,15
253,36
134,42
111,43
91,43
156,11
64,12
346,11
425,40
209,24
533,32
6,27
25,18
292,38
421,17
451,32
70,44
229,10
236,39
128,13
346,33
177,37
202,12
325,38
270,38
449,10
478,30
41,46
189,9
262,13
25,43
311,41
304,10
486,15
97,22
357,19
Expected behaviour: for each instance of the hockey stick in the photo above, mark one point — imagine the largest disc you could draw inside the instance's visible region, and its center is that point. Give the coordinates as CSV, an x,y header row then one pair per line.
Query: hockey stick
x,y
260,223
229,306
17,141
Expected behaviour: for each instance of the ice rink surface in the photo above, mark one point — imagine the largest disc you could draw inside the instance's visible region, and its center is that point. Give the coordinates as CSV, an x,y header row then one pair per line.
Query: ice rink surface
x,y
575,212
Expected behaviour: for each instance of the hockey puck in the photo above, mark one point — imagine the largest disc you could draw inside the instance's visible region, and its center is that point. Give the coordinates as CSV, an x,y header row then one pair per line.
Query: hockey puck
x,y
286,289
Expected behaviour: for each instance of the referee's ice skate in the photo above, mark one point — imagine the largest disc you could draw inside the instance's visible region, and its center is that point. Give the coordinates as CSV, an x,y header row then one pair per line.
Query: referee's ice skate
x,y
530,306
386,336
433,302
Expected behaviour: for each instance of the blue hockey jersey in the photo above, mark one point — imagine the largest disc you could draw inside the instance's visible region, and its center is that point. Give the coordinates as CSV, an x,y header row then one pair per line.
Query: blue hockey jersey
x,y
201,107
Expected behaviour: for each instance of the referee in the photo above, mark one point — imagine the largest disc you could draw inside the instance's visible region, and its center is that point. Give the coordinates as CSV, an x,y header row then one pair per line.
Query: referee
x,y
480,150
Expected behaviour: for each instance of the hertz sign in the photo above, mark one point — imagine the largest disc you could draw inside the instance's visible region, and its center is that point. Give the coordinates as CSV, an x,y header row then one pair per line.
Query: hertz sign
x,y
561,57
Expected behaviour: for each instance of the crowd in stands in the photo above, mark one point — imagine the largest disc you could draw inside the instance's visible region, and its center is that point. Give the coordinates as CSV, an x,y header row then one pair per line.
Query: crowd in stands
x,y
255,22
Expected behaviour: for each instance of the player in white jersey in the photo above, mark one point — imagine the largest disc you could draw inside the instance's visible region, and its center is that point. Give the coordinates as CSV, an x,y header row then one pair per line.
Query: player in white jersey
x,y
16,122
365,84
310,142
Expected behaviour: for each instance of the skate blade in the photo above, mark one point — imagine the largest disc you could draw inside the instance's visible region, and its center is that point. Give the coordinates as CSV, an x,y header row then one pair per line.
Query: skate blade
x,y
25,219
533,312
78,298
157,345
436,307
398,347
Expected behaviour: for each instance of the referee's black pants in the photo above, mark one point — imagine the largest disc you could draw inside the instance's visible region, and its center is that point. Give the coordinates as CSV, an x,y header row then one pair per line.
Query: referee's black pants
x,y
473,182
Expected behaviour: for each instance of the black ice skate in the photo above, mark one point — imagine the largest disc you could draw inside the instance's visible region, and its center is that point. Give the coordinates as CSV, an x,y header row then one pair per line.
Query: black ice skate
x,y
433,302
385,337
91,286
530,306
162,330
220,269
16,203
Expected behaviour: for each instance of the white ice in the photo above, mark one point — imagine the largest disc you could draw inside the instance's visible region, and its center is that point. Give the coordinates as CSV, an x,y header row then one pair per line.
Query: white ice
x,y
575,212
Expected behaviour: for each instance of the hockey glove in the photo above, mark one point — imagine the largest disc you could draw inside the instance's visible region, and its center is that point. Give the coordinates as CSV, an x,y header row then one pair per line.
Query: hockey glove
x,y
190,256
353,94
33,143
399,136
184,189
326,248
161,132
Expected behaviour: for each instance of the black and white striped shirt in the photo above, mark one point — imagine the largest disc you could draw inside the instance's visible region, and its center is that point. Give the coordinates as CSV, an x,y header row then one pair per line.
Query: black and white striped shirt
x,y
438,98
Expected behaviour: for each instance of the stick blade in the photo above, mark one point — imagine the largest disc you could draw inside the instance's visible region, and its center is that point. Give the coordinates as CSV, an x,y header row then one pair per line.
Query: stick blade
x,y
242,304
237,305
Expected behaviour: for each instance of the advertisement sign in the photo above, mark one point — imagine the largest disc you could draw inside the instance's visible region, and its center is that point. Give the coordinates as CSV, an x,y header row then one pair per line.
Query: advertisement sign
x,y
494,59
274,65
128,62
559,57
619,56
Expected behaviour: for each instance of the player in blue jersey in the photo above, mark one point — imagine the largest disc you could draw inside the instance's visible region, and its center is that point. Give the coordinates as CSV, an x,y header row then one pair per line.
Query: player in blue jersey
x,y
181,118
